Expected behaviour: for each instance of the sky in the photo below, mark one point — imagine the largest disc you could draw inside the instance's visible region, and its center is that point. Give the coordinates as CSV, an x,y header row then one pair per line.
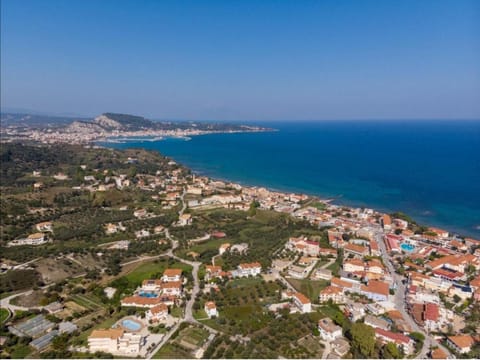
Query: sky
x,y
243,60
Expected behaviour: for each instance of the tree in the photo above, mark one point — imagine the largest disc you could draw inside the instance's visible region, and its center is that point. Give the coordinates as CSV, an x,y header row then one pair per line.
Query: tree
x,y
362,339
390,351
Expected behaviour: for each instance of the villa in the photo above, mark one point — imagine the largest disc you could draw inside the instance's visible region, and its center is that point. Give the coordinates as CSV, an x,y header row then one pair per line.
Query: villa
x,y
210,309
172,288
170,275
157,313
115,341
33,239
328,330
247,269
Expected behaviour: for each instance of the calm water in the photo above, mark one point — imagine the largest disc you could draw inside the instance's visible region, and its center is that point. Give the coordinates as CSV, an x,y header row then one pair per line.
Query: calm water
x,y
429,170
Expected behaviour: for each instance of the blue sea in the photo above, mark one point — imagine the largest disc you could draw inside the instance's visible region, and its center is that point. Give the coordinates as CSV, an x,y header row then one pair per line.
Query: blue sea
x,y
429,170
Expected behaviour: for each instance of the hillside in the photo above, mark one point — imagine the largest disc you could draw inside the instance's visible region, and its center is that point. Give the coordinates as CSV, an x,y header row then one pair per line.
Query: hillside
x,y
113,121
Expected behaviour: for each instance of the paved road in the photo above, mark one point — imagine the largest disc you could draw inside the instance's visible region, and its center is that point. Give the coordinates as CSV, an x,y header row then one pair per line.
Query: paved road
x,y
188,315
401,304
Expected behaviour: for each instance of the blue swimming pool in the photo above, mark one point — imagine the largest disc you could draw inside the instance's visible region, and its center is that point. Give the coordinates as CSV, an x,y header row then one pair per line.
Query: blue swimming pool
x,y
147,294
407,247
131,325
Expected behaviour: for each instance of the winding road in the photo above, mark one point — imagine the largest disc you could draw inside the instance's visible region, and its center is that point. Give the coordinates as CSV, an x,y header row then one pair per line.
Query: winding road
x,y
188,315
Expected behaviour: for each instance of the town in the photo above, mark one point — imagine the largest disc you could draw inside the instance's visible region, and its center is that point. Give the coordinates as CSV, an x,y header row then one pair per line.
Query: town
x,y
127,253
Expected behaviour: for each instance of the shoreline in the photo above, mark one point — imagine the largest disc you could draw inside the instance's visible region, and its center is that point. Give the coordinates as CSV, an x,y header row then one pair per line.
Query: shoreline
x,y
338,200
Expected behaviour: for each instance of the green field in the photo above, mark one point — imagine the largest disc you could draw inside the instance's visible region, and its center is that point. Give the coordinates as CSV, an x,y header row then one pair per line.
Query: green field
x,y
310,288
194,336
3,315
172,351
87,301
154,269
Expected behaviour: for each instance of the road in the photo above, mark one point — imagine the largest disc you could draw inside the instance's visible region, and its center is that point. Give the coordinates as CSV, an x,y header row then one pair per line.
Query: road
x,y
401,304
188,315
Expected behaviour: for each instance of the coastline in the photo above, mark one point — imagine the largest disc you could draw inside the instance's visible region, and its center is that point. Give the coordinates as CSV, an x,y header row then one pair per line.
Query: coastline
x,y
338,200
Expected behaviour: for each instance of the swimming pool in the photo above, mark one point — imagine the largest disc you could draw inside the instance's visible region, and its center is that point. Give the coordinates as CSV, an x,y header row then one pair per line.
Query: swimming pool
x,y
147,294
131,325
407,247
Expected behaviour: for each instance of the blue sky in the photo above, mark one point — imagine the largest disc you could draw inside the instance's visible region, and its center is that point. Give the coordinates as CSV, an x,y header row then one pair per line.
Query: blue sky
x,y
240,60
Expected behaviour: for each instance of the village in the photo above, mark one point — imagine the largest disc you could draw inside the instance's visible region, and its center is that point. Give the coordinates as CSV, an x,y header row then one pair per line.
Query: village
x,y
411,286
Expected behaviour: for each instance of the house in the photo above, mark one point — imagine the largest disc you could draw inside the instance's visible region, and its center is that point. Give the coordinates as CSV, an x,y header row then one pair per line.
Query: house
x,y
302,302
406,343
33,239
461,343
356,250
431,316
115,341
172,275
141,301
54,307
140,213
376,290
375,266
213,272
333,293
438,354
172,288
46,226
157,313
210,309
440,233
353,265
247,269
185,219
386,222
151,285
328,330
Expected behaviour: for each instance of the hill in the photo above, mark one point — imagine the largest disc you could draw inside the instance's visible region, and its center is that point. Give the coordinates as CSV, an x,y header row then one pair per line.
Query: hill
x,y
113,121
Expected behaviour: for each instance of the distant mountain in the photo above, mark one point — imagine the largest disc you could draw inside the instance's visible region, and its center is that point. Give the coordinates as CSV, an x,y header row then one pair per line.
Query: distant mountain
x,y
112,121
36,120
108,122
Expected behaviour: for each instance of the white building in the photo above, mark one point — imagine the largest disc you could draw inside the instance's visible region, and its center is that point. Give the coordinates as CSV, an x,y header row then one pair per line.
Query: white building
x,y
33,239
302,302
247,269
115,341
157,313
44,226
211,309
170,275
328,330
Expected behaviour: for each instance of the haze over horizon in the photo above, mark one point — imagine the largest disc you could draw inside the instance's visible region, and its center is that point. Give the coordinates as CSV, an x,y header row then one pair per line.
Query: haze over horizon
x,y
216,60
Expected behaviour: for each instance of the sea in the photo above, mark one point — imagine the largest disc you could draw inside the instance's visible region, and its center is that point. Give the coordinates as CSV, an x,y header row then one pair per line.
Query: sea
x,y
429,170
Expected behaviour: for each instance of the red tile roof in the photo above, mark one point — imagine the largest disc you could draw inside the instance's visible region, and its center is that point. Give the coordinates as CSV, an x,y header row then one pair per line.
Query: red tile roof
x,y
395,337
431,312
172,272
